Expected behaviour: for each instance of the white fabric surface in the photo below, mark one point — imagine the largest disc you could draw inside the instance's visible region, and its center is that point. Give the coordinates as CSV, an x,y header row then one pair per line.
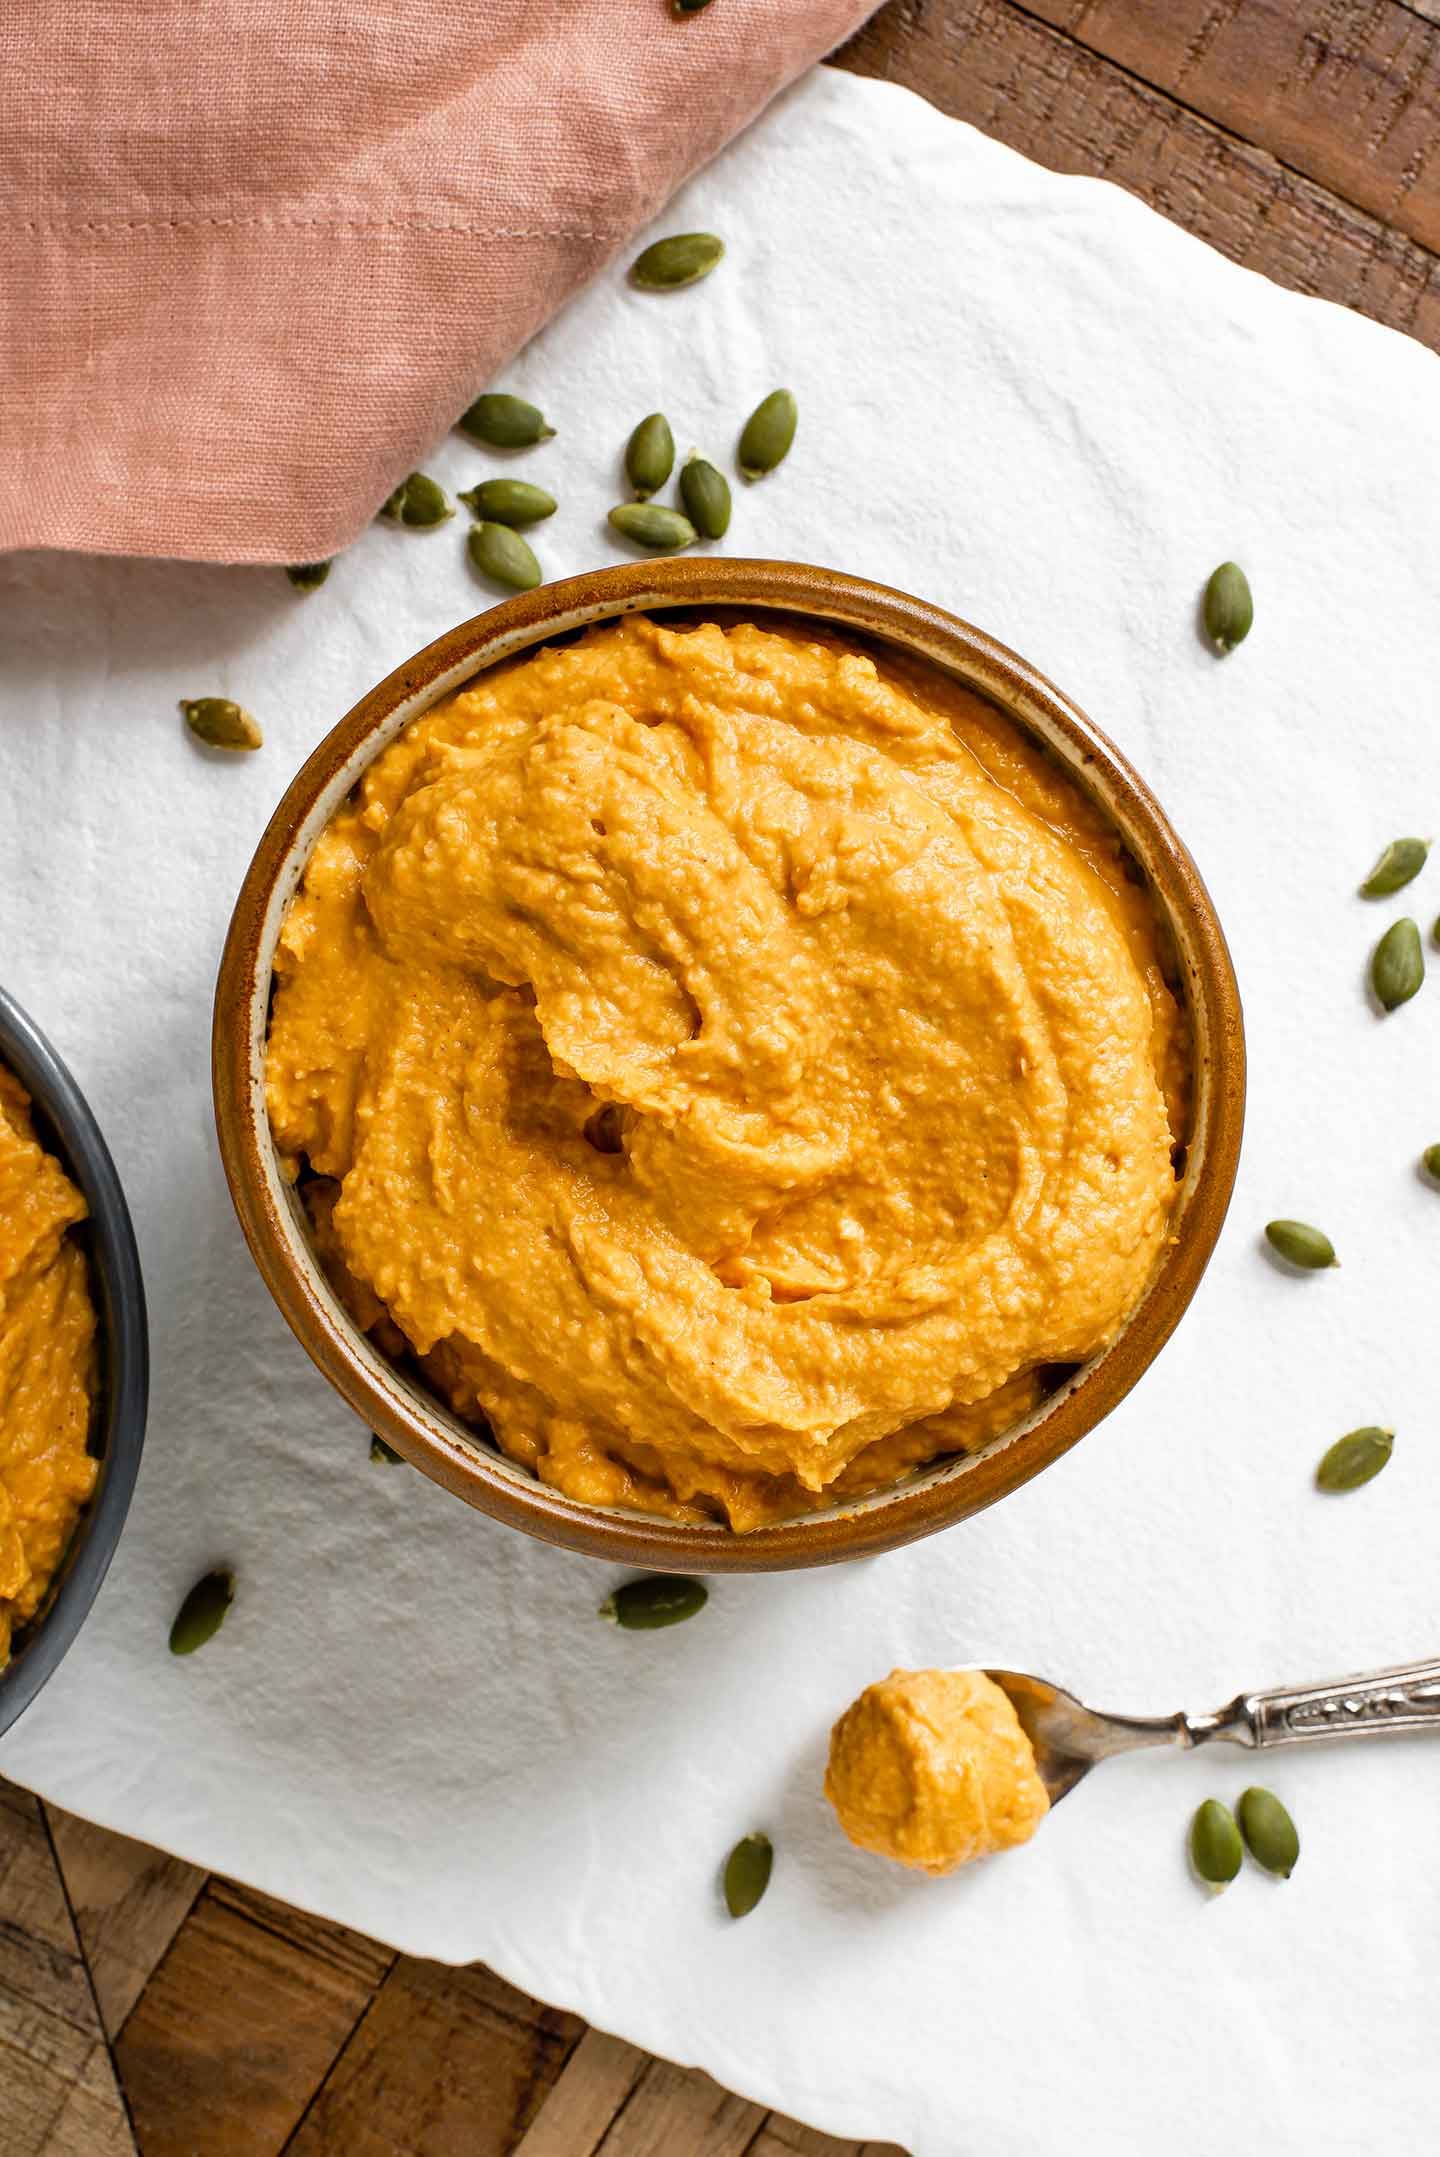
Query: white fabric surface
x,y
1036,402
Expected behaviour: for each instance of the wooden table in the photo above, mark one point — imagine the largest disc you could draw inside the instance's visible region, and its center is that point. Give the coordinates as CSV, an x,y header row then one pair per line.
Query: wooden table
x,y
145,2006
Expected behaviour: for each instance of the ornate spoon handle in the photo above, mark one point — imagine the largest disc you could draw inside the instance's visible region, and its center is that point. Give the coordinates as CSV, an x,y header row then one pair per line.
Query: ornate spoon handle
x,y
1373,1702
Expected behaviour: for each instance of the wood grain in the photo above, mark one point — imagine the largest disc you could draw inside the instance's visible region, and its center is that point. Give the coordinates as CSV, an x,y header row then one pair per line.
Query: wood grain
x,y
1347,94
598,2078
240,2024
1066,106
675,2108
783,2137
129,1902
58,2093
443,2060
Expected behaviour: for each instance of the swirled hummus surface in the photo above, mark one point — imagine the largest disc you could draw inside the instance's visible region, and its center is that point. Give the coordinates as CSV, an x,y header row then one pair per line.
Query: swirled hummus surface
x,y
932,1768
733,1069
47,1358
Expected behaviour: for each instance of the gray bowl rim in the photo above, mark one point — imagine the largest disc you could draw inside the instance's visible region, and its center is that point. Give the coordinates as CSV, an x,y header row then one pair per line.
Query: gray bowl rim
x,y
125,1354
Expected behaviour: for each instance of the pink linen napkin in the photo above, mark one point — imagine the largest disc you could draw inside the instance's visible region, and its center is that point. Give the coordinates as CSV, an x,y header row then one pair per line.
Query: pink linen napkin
x,y
256,255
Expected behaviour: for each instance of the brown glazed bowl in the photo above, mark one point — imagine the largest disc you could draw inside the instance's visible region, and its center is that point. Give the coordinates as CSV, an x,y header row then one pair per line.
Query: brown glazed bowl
x,y
420,1426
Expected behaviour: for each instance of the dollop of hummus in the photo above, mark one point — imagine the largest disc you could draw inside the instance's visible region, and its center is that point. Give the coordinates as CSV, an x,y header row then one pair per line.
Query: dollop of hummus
x,y
47,1364
932,1768
733,1065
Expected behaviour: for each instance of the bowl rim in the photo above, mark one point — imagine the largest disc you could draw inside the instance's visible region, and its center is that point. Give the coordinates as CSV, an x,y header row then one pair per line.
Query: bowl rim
x,y
119,1287
428,1435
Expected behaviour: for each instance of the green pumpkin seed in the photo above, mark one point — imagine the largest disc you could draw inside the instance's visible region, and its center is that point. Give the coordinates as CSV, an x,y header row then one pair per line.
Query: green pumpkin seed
x,y
1354,1459
202,1613
1229,609
1269,1831
419,502
508,501
502,554
706,495
505,422
648,525
1401,862
379,1451
682,259
656,1599
1398,967
1215,1846
308,576
1301,1245
687,7
1430,1159
767,434
650,455
220,724
747,1874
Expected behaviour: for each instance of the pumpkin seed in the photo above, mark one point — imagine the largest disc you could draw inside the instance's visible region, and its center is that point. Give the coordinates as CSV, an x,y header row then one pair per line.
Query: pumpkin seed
x,y
747,1873
767,434
682,259
706,495
1301,1245
1215,1846
650,455
687,7
220,724
1269,1831
508,501
1398,967
647,524
656,1599
419,502
202,1613
502,554
1229,608
379,1451
505,422
1354,1459
1431,1159
308,576
1401,862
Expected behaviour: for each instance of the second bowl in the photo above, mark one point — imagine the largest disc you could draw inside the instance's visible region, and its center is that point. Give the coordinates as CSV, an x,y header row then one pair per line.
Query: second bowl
x,y
391,1398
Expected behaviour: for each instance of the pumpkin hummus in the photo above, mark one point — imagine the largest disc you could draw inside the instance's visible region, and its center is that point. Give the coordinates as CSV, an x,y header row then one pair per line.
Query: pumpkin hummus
x,y
932,1768
47,1359
732,1067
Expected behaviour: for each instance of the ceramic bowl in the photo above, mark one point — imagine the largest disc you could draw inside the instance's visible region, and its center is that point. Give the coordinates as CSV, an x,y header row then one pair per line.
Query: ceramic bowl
x,y
67,1128
420,1426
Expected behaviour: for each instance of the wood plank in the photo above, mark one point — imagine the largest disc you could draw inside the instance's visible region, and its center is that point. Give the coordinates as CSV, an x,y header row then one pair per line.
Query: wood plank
x,y
1347,94
58,2094
129,1901
806,2142
445,2061
241,2023
1033,87
783,2137
677,2108
598,2077
91,2121
40,1965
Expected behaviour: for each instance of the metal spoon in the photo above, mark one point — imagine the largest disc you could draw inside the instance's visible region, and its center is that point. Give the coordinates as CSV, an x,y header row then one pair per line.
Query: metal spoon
x,y
1069,1738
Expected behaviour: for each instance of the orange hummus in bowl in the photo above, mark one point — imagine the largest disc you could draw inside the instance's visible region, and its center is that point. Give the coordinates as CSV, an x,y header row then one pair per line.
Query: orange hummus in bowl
x,y
732,1063
47,1365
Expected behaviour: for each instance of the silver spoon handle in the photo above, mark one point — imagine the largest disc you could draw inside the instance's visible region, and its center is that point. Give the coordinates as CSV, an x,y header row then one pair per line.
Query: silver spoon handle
x,y
1374,1701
